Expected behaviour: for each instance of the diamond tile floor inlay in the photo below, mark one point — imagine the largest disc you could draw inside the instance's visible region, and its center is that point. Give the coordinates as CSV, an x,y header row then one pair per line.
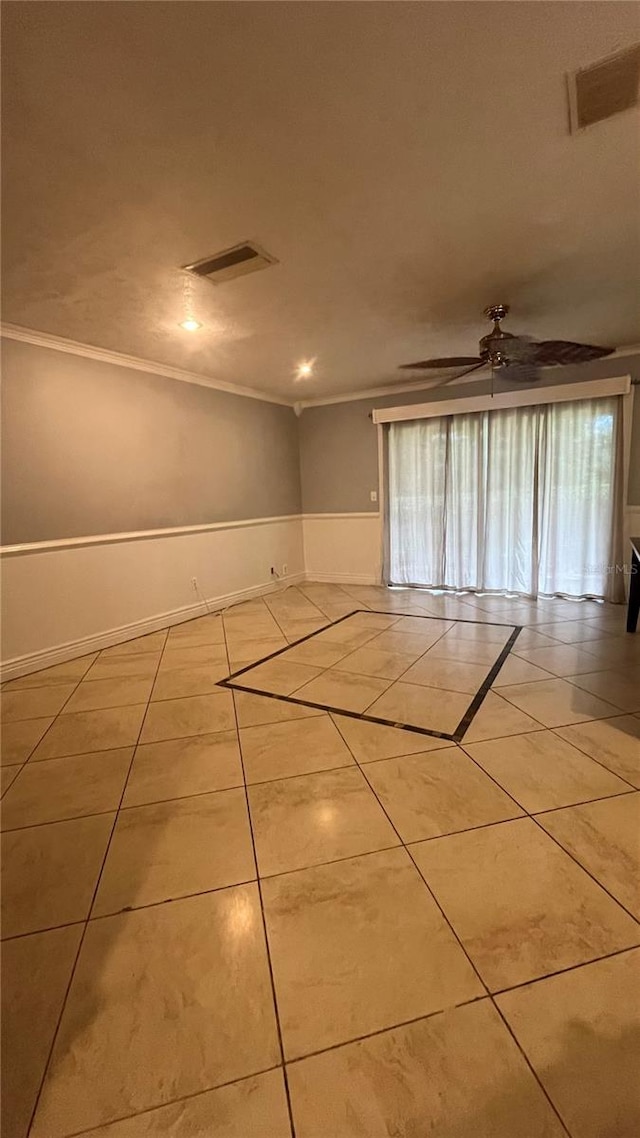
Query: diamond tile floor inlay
x,y
386,668
255,907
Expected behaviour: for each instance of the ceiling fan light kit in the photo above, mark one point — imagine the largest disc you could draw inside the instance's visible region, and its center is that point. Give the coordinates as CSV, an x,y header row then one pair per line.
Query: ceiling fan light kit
x,y
521,355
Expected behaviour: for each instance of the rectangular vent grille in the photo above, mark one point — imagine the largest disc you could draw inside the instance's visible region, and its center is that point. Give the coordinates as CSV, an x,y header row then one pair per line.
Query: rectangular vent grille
x,y
604,89
230,263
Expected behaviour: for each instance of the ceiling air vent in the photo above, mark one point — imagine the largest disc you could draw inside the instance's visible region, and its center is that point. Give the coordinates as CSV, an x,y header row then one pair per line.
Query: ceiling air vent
x,y
604,89
235,262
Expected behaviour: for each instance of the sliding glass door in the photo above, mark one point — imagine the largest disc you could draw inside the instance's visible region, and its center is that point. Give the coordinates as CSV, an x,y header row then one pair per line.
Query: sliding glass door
x,y
524,500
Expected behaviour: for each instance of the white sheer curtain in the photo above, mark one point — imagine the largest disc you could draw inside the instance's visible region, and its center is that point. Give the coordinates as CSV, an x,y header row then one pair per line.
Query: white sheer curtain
x,y
526,500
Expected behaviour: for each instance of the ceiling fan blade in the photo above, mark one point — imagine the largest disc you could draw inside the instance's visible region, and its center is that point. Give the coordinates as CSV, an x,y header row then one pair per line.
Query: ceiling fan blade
x,y
461,375
450,361
546,353
521,372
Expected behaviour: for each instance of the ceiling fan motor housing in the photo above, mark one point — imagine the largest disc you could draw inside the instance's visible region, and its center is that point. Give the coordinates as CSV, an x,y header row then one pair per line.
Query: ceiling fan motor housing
x,y
494,347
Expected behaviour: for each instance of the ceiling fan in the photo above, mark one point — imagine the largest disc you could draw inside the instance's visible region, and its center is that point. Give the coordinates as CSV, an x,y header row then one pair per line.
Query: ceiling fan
x,y
521,355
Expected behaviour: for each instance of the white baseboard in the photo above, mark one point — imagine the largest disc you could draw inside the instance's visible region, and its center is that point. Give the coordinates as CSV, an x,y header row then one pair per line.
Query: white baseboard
x,y
343,578
71,650
66,602
35,661
68,598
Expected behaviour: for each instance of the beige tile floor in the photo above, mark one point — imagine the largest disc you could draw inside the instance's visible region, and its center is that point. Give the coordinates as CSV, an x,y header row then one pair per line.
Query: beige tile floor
x,y
228,914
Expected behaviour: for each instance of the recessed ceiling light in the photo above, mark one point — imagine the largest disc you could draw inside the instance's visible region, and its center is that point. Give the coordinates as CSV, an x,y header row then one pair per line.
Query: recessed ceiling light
x,y
190,325
305,369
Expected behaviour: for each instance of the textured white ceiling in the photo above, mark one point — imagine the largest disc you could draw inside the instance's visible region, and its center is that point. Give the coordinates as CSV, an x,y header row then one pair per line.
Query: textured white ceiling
x,y
407,163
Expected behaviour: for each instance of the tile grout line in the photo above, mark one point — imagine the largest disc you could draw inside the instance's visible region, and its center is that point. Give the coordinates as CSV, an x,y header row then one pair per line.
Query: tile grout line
x,y
604,633
455,737
543,726
531,1067
571,806
584,869
320,865
331,712
398,679
6,689
584,802
293,644
553,676
285,590
601,672
374,636
264,926
570,968
338,710
572,679
87,919
358,674
287,699
188,896
615,711
53,720
486,685
556,730
202,793
172,1102
46,929
457,938
309,774
360,715
383,1030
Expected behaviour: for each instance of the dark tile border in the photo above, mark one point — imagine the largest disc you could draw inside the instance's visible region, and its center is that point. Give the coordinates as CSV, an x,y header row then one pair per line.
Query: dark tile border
x,y
464,723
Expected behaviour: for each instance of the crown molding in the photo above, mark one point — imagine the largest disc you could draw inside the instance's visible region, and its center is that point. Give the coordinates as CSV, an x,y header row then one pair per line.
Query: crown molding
x,y
106,355
391,389
422,385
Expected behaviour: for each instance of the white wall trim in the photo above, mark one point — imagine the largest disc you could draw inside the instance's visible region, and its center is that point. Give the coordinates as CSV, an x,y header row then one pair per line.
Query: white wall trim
x,y
424,384
63,602
343,578
325,517
591,389
47,657
343,549
391,389
107,355
137,535
61,653
174,531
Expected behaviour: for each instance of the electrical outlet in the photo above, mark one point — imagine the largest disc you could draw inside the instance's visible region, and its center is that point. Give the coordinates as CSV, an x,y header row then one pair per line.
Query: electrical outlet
x,y
194,583
373,495
284,570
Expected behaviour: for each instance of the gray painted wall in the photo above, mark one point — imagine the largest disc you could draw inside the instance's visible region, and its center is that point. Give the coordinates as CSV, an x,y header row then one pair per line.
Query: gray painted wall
x,y
91,447
339,450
